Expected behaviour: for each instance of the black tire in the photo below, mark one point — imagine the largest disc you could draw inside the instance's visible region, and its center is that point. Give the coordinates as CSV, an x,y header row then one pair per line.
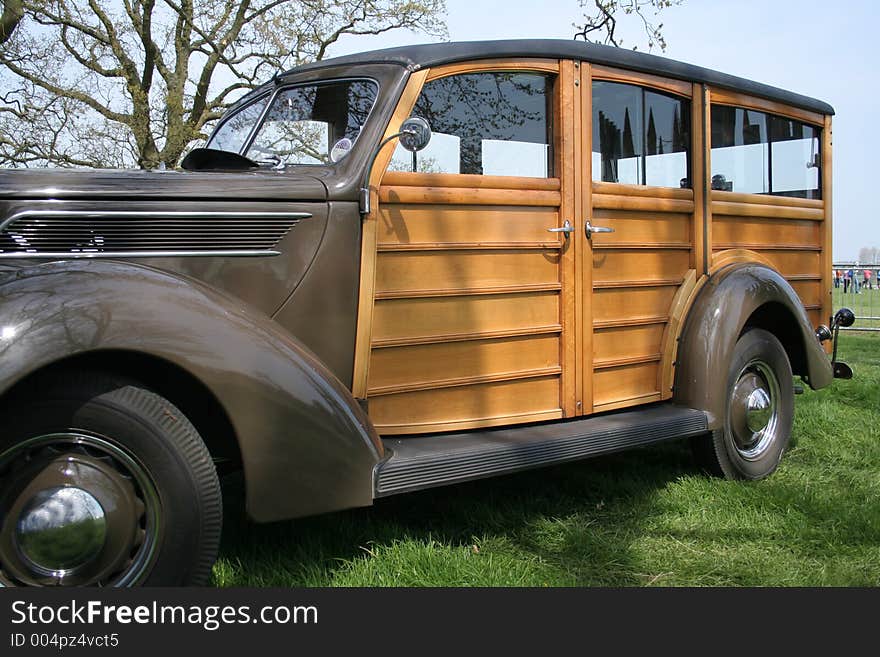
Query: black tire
x,y
133,443
737,450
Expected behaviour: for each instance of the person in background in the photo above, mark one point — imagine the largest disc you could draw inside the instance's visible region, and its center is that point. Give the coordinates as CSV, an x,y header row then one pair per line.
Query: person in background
x,y
836,278
846,280
868,282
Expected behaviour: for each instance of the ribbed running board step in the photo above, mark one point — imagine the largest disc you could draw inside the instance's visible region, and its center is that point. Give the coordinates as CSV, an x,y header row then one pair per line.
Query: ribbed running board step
x,y
426,462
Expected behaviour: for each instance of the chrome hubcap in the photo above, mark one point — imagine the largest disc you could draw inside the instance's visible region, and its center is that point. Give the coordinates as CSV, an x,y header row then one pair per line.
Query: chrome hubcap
x,y
61,530
76,510
753,416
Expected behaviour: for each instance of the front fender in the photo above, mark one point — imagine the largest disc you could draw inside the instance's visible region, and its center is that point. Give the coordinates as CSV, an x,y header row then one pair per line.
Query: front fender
x,y
724,306
307,446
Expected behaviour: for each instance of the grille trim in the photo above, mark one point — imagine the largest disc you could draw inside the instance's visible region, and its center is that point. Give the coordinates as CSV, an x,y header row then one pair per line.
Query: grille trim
x,y
143,234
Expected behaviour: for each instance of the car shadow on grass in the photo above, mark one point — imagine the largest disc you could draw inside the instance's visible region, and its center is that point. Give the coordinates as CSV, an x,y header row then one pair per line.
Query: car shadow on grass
x,y
567,525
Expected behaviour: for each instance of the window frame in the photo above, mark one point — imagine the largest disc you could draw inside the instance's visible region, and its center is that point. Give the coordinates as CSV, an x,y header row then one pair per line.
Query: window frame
x,y
671,87
550,67
770,111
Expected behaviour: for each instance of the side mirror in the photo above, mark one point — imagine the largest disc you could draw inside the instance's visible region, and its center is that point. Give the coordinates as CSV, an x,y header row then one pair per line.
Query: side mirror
x,y
415,133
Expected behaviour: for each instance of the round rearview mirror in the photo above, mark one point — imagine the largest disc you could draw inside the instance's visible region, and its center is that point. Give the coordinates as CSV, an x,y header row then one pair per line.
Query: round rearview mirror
x,y
415,133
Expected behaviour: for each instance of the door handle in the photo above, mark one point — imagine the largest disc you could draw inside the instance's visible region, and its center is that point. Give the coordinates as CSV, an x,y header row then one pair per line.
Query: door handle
x,y
589,229
566,229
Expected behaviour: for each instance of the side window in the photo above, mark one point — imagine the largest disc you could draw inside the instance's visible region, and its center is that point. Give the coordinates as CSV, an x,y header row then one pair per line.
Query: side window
x,y
640,137
758,153
494,124
232,133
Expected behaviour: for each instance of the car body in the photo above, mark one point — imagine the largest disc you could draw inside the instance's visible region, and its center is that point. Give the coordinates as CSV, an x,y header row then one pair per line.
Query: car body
x,y
343,331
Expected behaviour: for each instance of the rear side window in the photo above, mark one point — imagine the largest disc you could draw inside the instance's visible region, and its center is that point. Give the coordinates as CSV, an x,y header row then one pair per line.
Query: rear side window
x,y
640,136
494,123
758,153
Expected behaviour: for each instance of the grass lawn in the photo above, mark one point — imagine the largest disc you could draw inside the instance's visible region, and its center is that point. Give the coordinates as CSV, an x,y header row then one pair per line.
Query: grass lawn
x,y
643,518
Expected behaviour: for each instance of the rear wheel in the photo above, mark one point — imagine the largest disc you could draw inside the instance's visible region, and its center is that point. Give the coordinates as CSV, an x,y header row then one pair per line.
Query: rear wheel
x,y
759,411
104,483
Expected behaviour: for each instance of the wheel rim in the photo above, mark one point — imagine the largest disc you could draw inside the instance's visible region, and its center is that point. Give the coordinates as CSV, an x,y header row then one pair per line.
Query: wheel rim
x,y
753,413
78,510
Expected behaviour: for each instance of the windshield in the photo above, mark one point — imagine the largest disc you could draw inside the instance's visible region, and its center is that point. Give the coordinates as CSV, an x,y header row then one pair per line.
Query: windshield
x,y
233,133
313,124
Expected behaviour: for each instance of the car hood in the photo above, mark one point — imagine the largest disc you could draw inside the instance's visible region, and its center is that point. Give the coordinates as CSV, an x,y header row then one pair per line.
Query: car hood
x,y
164,185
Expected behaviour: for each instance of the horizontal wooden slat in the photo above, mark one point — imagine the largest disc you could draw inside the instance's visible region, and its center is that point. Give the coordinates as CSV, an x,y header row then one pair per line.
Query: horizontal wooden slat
x,y
469,246
616,384
638,320
468,196
456,270
415,365
757,246
621,265
767,199
627,341
770,211
461,224
605,363
469,181
621,202
641,227
420,318
467,291
626,402
612,304
437,384
498,399
795,263
548,329
810,292
620,189
660,282
755,231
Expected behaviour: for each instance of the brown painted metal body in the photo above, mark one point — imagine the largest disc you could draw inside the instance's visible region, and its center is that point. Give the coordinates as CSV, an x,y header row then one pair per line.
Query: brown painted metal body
x,y
449,306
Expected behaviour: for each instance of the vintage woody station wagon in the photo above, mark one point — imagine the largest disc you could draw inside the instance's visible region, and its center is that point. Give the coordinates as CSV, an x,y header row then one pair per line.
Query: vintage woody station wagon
x,y
405,269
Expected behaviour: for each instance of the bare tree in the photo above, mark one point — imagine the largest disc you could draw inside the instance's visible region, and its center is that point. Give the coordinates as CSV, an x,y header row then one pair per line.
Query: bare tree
x,y
602,23
114,83
869,255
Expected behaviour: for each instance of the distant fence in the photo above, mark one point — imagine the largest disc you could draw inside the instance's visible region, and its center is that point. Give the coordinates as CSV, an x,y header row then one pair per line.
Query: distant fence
x,y
856,287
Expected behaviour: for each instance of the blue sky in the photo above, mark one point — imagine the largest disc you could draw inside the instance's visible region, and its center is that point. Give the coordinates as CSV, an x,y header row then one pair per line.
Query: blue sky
x,y
828,50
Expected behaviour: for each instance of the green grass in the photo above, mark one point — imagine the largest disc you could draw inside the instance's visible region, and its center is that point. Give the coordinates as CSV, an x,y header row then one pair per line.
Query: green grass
x,y
644,518
864,304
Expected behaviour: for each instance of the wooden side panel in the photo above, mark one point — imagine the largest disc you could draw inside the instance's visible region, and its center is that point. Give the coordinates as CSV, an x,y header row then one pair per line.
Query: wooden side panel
x,y
637,271
469,322
788,234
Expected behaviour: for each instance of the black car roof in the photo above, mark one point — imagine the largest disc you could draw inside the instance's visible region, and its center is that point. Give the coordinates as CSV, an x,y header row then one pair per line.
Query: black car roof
x,y
434,54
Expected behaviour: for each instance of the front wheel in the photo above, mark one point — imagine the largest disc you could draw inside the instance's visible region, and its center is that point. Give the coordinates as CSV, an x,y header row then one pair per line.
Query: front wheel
x,y
759,411
104,483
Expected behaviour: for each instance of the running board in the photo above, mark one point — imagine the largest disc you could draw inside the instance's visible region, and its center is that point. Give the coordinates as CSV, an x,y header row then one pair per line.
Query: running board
x,y
425,462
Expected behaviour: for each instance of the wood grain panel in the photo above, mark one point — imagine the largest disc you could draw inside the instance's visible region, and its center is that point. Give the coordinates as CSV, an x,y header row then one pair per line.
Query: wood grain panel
x,y
625,383
827,195
753,232
498,402
613,304
795,263
627,341
469,181
467,196
766,210
398,319
460,224
810,292
457,270
642,203
766,199
646,191
620,265
642,227
420,364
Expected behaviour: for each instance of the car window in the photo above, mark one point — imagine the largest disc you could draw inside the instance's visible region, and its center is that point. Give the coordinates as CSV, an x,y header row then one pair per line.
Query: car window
x,y
234,131
494,123
313,124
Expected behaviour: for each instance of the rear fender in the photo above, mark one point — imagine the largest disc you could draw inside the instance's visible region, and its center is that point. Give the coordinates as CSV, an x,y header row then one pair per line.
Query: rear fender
x,y
732,300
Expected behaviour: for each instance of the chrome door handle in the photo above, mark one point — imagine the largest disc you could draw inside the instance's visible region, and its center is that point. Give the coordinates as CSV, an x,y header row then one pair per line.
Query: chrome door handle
x,y
567,228
589,229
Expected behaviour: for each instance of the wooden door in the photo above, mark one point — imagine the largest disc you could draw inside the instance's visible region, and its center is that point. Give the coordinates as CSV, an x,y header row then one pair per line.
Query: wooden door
x,y
473,320
641,169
